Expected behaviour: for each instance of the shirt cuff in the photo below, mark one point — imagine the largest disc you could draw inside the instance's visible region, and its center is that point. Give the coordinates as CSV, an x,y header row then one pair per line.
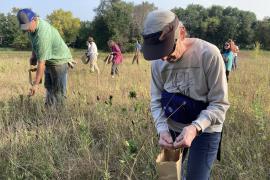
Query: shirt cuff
x,y
162,127
203,123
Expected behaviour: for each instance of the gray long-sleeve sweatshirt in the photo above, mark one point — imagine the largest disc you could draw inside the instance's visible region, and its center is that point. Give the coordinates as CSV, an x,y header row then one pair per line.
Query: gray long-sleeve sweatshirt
x,y
199,74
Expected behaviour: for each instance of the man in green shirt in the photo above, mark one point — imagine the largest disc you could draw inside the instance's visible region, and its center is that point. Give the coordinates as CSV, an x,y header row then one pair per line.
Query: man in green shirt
x,y
51,53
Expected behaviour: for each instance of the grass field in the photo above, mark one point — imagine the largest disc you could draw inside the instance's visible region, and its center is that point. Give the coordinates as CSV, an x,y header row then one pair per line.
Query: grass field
x,y
114,138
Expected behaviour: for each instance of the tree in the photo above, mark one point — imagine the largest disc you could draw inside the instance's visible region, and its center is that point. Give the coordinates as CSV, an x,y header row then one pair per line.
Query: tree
x,y
217,24
194,18
9,28
246,34
114,17
99,25
215,11
67,25
119,20
21,41
2,20
228,29
262,33
139,14
83,34
213,24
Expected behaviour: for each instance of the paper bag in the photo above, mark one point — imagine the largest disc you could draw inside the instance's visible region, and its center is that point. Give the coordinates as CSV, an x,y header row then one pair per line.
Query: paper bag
x,y
169,164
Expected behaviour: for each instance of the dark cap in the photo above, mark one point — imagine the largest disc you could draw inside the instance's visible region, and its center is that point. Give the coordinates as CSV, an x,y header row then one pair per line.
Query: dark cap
x,y
90,39
25,16
157,23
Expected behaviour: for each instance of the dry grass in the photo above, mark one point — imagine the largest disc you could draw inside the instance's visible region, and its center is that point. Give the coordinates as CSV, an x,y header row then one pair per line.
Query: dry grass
x,y
115,139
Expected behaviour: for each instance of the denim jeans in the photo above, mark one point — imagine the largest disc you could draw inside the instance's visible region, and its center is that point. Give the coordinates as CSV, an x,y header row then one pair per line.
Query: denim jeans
x,y
202,153
56,84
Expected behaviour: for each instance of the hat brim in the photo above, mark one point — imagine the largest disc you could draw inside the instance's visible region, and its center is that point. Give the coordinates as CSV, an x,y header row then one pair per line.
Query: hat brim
x,y
25,26
159,50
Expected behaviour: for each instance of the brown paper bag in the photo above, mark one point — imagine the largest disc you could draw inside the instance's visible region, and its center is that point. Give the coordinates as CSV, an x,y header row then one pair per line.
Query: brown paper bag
x,y
169,164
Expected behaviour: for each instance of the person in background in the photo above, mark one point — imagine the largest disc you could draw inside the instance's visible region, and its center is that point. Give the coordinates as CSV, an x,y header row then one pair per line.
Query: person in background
x,y
235,53
235,49
189,91
92,54
117,57
228,58
52,54
137,52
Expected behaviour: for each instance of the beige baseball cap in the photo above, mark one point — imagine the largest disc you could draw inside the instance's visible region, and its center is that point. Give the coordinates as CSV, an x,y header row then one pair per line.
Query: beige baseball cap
x,y
159,34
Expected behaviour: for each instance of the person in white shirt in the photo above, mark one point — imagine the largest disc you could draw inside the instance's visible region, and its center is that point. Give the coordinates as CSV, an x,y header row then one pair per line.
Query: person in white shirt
x,y
92,54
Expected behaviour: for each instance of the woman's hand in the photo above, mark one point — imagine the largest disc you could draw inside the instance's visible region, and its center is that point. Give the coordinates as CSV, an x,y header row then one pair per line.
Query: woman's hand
x,y
165,140
186,137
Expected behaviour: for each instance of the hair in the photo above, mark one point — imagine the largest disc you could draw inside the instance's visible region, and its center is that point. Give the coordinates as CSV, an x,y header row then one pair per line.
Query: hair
x,y
90,39
181,24
110,42
176,33
232,45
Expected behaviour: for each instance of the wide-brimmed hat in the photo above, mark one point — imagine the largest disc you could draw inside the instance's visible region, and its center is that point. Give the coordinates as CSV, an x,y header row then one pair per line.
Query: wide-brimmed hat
x,y
159,34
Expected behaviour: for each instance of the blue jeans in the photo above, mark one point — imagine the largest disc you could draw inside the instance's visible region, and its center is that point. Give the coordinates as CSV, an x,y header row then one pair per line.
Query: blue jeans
x,y
202,153
56,83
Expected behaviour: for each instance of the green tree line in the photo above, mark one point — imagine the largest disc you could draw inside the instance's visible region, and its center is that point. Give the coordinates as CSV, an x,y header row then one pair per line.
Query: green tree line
x,y
123,22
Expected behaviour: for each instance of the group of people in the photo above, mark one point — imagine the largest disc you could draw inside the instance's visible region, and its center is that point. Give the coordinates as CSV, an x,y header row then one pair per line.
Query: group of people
x,y
189,90
115,56
229,54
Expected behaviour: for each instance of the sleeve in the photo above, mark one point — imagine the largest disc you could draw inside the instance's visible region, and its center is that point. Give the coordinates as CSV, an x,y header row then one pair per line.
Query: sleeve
x,y
95,49
44,45
89,47
116,49
158,114
217,95
88,52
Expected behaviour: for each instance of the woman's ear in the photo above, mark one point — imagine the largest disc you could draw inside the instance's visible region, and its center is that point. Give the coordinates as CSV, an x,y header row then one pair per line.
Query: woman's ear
x,y
182,33
34,22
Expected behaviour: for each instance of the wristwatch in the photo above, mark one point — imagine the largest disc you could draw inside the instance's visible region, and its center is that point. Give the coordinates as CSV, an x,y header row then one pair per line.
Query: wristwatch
x,y
198,128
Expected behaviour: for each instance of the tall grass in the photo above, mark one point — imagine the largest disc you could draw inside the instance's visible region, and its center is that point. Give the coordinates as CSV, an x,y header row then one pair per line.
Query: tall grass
x,y
105,130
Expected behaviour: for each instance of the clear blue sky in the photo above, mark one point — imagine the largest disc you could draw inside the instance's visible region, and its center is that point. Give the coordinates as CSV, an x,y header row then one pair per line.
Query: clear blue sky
x,y
83,9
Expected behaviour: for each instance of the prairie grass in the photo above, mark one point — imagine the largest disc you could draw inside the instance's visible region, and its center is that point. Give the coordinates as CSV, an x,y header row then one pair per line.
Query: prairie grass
x,y
105,130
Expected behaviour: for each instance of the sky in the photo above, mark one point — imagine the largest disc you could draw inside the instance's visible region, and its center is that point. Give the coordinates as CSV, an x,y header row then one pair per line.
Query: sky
x,y
84,9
